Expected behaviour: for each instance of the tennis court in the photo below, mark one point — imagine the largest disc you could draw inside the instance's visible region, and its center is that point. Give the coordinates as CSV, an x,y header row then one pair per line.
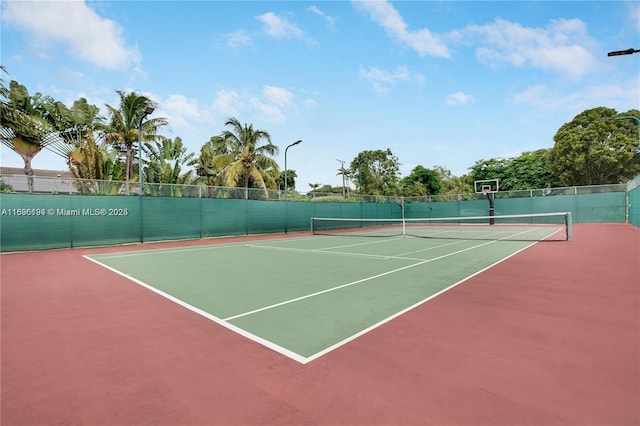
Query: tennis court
x,y
304,297
546,333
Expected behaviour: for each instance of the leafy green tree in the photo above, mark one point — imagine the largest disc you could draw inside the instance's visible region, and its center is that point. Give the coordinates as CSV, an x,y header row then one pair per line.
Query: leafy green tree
x,y
5,188
421,181
166,159
23,127
595,149
122,131
376,172
453,184
493,168
291,179
328,189
530,170
244,155
314,187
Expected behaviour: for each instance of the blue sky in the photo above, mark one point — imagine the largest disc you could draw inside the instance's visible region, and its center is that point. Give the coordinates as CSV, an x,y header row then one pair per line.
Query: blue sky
x,y
438,82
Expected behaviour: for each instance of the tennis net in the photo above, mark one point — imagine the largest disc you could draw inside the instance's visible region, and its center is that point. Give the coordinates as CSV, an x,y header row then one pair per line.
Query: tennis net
x,y
524,227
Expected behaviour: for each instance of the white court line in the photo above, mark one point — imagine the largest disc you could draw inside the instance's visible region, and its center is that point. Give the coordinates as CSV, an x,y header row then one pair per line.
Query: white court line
x,y
339,253
422,262
385,240
325,250
273,346
204,247
434,247
280,349
192,248
393,271
388,240
409,308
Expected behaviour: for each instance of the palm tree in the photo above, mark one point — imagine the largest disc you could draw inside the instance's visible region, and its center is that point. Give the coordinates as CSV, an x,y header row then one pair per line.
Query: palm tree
x,y
4,92
207,169
76,127
98,169
122,131
346,175
24,129
166,159
245,159
313,187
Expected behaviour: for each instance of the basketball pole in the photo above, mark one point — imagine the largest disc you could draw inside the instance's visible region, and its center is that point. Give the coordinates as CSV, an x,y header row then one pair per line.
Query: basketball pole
x,y
491,209
487,187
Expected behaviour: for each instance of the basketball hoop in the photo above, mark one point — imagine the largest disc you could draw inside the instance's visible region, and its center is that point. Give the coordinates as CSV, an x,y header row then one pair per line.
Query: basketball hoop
x,y
486,187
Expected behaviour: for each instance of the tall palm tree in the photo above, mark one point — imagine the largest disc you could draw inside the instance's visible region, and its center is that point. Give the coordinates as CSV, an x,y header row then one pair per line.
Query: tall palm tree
x,y
76,126
208,170
99,169
23,127
122,131
346,175
313,187
4,91
166,159
246,159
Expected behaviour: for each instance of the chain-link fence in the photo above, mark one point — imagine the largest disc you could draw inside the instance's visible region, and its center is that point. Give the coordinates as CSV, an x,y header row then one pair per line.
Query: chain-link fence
x,y
70,186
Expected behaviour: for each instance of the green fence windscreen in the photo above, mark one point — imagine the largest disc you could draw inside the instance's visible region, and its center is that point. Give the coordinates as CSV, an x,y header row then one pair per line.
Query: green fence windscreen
x,y
43,221
633,201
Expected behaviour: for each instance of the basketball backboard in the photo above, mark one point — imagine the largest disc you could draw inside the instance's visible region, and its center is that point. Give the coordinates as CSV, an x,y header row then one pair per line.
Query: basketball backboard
x,y
487,186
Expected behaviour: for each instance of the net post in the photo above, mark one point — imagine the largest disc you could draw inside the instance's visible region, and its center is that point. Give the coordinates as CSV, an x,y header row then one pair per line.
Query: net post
x,y
568,221
311,220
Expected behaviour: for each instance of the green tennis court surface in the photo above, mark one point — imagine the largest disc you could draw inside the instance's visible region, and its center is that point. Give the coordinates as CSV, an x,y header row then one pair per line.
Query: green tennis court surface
x,y
304,297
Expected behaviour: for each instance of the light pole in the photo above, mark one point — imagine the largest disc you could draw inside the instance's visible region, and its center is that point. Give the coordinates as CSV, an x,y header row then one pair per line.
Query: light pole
x,y
630,51
148,110
286,194
623,52
285,166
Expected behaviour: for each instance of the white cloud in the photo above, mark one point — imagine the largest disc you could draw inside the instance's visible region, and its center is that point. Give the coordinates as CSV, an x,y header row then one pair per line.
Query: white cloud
x,y
272,104
277,95
564,45
382,80
228,102
180,111
267,112
330,20
89,37
422,41
549,101
458,98
278,27
238,39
